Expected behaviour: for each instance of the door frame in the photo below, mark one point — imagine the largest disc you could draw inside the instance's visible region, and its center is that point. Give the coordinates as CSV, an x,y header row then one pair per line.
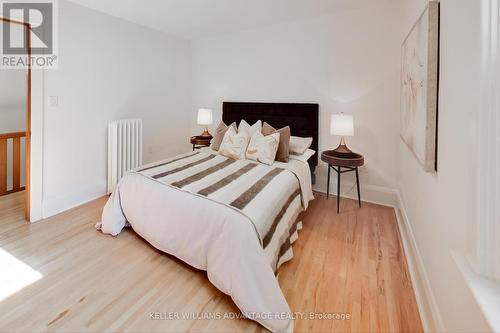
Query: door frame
x,y
27,159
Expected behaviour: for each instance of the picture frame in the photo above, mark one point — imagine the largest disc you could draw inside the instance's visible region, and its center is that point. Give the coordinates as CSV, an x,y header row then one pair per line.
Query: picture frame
x,y
419,87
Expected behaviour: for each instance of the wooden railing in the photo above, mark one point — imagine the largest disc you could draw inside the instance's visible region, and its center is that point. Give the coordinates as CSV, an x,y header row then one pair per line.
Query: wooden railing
x,y
16,162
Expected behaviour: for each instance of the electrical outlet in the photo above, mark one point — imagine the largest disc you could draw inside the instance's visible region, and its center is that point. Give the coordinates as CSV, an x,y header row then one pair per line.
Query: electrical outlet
x,y
150,150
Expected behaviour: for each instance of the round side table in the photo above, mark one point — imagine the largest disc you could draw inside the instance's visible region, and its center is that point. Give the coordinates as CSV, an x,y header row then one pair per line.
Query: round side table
x,y
200,141
350,162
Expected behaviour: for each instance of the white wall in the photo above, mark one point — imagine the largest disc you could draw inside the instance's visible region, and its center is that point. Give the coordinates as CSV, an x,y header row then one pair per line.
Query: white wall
x,y
346,62
441,207
13,90
109,69
12,101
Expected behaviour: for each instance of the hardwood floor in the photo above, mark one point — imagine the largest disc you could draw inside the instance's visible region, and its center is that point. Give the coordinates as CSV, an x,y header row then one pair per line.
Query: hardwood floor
x,y
351,263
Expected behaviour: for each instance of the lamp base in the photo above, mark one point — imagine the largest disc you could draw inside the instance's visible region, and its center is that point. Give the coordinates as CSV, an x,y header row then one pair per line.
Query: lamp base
x,y
206,135
342,150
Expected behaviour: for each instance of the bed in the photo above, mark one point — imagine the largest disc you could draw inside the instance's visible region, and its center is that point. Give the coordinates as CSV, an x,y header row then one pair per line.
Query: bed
x,y
235,219
302,118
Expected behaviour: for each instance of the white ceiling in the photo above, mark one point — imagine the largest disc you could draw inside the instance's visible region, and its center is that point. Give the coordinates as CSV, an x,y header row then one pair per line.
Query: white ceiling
x,y
202,18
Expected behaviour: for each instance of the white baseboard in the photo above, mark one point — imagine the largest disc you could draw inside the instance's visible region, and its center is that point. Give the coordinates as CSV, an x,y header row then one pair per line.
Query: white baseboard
x,y
56,205
426,302
369,193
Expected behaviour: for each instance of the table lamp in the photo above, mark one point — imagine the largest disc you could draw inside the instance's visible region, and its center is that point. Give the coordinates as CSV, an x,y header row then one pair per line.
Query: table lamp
x,y
342,125
205,119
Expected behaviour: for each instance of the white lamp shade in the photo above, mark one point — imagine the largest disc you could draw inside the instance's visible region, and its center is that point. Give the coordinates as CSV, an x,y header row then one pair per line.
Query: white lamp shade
x,y
205,117
342,125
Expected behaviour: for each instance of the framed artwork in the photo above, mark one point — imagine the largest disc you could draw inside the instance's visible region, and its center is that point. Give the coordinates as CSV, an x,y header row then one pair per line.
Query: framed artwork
x,y
419,87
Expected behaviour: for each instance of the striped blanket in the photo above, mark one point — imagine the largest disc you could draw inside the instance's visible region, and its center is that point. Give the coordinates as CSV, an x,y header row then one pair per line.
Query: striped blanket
x,y
268,196
236,219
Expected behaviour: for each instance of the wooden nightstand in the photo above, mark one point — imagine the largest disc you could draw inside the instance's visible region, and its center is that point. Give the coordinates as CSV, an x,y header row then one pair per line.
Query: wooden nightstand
x,y
200,142
350,162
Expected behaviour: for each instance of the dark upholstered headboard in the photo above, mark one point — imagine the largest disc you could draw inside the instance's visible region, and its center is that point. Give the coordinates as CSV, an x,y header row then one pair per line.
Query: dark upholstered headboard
x,y
301,117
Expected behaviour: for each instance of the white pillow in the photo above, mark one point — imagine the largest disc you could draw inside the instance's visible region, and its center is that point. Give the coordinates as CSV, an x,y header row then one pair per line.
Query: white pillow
x,y
244,126
299,145
263,148
234,145
304,157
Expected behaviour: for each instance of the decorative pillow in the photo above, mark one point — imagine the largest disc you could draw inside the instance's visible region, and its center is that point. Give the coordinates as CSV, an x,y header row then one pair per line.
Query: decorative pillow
x,y
234,145
263,148
219,135
244,126
283,148
299,145
304,157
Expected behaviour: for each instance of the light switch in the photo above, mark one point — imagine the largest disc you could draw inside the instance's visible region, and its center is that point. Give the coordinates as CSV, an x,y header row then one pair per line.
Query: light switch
x,y
53,101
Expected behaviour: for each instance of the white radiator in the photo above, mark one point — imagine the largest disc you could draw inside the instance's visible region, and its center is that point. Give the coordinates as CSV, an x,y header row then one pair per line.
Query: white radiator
x,y
124,149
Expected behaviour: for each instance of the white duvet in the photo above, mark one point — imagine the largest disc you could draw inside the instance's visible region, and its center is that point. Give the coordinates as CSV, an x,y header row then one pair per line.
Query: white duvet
x,y
209,236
